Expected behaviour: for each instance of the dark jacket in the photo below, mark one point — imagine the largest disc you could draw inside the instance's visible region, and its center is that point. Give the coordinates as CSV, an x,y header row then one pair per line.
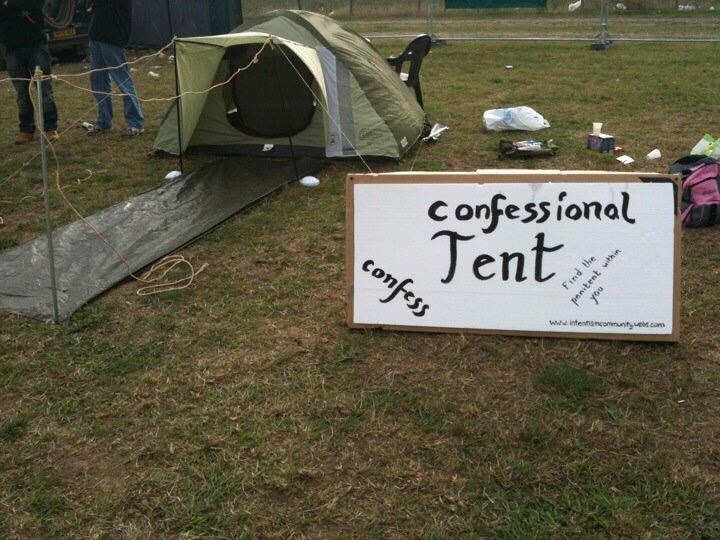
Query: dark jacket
x,y
21,23
110,21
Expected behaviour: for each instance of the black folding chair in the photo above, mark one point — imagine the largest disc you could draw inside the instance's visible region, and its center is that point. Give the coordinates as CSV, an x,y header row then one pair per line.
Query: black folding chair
x,y
414,53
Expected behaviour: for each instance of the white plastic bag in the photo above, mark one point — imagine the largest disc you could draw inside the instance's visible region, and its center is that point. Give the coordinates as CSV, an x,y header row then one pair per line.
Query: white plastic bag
x,y
515,118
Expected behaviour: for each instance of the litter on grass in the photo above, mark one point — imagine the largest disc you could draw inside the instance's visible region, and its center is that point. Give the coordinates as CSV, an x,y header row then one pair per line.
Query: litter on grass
x,y
707,146
515,118
435,132
527,149
309,181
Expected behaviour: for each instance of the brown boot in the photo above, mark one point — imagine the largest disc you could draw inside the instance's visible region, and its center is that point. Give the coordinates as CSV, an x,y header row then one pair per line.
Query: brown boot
x,y
52,136
24,138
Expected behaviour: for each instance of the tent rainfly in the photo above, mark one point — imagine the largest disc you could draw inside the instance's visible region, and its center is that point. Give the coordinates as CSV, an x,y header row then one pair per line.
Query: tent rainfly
x,y
317,88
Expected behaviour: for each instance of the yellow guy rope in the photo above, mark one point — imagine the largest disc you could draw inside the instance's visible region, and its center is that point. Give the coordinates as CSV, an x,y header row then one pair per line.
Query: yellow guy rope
x,y
254,60
165,265
153,287
73,124
160,52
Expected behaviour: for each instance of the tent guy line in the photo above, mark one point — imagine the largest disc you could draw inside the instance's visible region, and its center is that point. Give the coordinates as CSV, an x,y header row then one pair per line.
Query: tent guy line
x,y
170,262
153,285
255,60
159,52
325,110
111,94
84,114
340,75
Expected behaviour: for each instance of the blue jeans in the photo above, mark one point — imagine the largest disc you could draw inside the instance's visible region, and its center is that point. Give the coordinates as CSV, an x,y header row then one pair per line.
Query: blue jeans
x,y
104,55
21,64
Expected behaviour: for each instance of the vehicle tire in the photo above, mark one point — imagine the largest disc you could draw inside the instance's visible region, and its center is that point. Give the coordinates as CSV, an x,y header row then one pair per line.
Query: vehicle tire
x,y
82,52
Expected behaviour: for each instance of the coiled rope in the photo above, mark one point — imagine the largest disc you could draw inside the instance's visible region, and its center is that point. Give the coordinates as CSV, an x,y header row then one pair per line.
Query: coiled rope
x,y
59,13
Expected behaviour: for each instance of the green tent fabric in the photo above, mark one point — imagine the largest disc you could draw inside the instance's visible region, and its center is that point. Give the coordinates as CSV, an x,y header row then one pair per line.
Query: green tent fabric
x,y
317,85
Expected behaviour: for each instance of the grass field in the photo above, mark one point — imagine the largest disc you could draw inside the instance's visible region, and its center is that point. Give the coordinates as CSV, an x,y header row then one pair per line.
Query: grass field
x,y
244,407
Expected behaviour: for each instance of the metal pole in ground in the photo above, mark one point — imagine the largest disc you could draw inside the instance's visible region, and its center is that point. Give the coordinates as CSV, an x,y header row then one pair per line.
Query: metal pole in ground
x,y
431,25
46,193
604,42
178,108
430,30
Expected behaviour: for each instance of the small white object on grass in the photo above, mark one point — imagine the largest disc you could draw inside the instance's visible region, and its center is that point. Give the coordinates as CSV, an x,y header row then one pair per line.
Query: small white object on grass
x,y
435,132
654,154
154,75
626,160
309,181
172,174
574,6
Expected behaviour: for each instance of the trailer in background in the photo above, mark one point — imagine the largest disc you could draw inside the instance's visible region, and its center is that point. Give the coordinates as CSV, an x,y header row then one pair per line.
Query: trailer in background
x,y
155,22
66,28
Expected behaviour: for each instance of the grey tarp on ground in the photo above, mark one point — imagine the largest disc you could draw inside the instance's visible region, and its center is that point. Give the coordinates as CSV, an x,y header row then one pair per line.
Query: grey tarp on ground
x,y
143,228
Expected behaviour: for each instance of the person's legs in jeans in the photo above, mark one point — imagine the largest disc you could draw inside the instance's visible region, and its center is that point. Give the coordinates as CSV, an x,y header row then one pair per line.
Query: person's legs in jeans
x,y
100,83
18,66
115,56
41,54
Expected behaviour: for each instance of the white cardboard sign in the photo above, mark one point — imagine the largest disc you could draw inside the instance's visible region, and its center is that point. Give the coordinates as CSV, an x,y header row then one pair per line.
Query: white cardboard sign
x,y
548,253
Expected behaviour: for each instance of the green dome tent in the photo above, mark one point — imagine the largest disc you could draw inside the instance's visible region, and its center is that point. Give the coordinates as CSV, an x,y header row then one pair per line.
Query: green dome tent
x,y
317,86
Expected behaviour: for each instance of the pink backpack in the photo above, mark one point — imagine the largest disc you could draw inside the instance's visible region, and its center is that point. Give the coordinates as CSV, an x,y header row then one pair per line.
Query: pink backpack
x,y
700,193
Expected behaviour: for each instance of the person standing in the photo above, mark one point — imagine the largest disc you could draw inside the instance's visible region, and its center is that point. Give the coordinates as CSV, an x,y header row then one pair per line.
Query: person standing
x,y
110,25
26,47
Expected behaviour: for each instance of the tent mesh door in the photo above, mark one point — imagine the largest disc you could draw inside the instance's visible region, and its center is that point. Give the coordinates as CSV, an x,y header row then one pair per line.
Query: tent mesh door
x,y
272,98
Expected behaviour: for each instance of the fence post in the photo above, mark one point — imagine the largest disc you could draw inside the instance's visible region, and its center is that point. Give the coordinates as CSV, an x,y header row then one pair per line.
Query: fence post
x,y
604,41
431,26
46,193
430,31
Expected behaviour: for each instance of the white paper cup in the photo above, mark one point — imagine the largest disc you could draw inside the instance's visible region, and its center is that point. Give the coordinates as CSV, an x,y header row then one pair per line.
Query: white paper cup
x,y
597,128
654,154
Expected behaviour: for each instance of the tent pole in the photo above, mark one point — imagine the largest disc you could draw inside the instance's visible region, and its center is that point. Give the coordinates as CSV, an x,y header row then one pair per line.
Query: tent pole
x,y
177,88
284,107
294,161
46,194
170,24
178,108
